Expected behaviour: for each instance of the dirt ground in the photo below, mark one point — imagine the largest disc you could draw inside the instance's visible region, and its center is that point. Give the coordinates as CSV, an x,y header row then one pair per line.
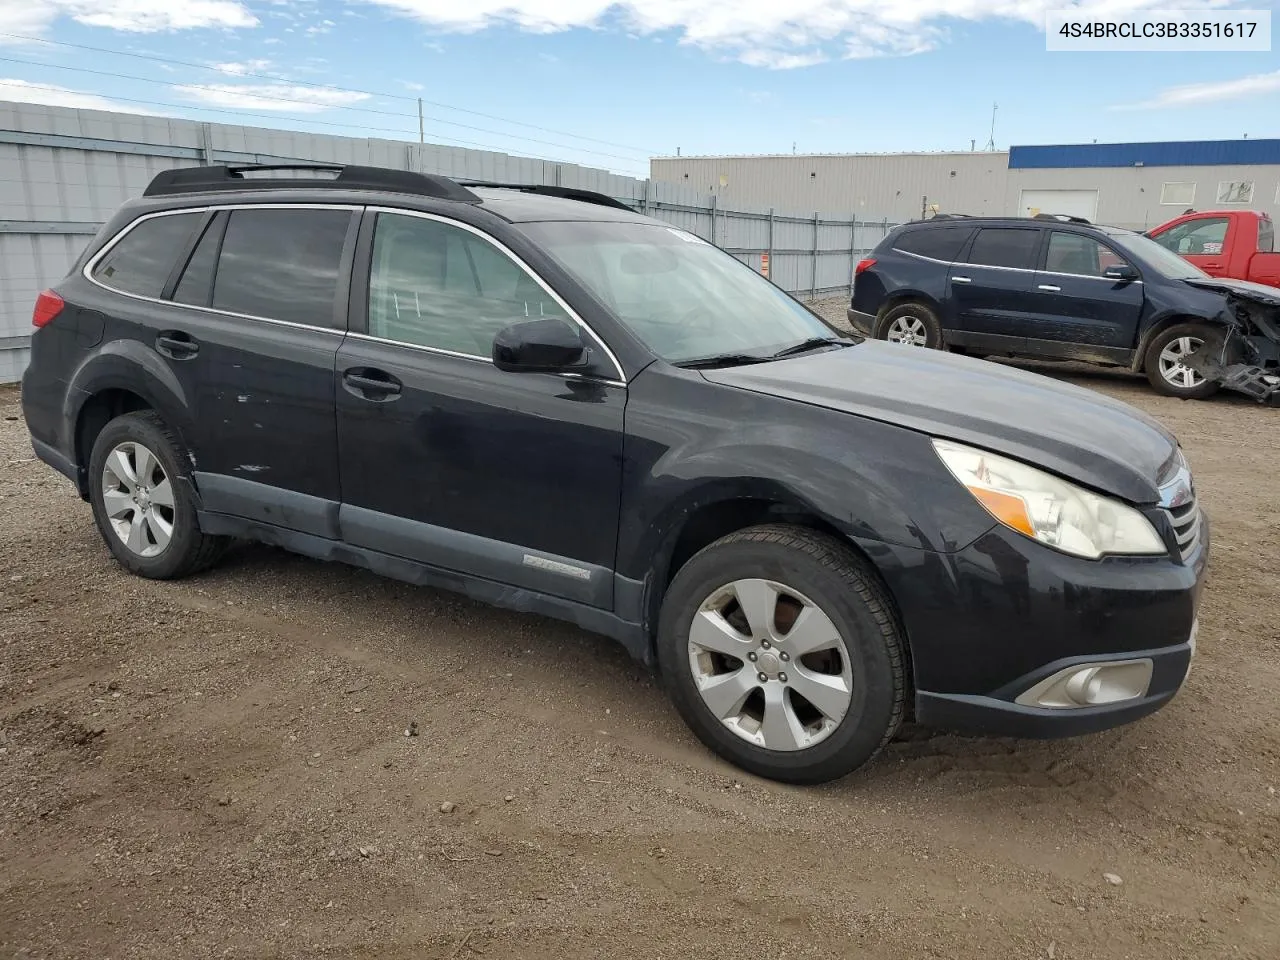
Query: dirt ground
x,y
220,768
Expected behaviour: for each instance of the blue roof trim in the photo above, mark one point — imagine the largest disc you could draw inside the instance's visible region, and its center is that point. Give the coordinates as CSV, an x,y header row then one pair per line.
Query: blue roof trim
x,y
1192,153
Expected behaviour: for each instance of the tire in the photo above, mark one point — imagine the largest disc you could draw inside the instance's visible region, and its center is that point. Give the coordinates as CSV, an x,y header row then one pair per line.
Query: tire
x,y
1166,378
911,324
135,529
865,665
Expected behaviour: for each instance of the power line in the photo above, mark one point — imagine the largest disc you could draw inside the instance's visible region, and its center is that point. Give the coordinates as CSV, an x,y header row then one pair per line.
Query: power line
x,y
278,117
313,103
324,86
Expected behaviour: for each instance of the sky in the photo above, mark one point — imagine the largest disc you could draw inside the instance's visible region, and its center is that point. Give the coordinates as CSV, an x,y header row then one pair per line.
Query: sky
x,y
610,84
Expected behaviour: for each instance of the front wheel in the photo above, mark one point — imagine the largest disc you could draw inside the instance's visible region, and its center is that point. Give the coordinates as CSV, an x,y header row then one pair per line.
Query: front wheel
x,y
780,650
1165,360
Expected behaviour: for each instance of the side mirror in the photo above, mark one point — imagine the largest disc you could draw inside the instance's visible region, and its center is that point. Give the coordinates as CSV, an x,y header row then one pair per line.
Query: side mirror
x,y
543,345
1120,271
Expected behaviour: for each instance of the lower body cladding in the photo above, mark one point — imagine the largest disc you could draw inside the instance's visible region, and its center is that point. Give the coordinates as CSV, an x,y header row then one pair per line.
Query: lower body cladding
x,y
1009,637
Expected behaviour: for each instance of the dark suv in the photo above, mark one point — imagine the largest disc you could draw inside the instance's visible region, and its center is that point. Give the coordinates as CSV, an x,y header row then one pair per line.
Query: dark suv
x,y
554,404
1059,288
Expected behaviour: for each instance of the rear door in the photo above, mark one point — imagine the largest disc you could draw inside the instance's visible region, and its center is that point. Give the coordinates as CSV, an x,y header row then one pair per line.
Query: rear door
x,y
258,312
1203,241
993,289
1080,312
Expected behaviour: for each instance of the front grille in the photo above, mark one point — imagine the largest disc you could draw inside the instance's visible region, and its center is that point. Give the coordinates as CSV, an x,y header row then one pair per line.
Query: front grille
x,y
1186,526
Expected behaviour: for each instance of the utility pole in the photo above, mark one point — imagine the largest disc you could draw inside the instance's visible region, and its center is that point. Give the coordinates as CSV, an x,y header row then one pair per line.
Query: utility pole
x,y
421,134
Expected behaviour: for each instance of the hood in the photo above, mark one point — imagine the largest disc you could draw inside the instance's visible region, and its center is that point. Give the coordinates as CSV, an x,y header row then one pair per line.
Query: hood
x,y
1076,433
1245,289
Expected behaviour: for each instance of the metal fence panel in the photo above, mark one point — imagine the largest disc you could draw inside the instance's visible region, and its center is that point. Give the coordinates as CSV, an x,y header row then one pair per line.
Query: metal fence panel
x,y
64,171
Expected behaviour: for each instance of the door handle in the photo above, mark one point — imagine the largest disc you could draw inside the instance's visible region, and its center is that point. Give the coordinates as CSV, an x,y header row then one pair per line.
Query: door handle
x,y
1050,287
961,280
176,345
1215,266
371,384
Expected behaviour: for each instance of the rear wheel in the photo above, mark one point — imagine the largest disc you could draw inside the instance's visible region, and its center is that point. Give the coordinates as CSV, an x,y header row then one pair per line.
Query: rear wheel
x,y
780,651
911,324
141,492
1166,355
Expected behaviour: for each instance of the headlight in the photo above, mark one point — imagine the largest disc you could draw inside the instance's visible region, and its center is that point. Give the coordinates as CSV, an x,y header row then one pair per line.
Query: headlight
x,y
1057,513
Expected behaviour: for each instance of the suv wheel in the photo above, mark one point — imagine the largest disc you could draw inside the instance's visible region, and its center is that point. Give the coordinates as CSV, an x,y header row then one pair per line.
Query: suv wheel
x,y
912,325
142,499
780,651
1164,361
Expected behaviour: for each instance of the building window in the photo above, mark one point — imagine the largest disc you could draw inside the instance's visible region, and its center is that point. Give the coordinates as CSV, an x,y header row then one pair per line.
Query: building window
x,y
1235,191
1178,194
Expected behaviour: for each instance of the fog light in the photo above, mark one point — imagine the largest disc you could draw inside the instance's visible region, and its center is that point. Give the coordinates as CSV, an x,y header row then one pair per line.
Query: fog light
x,y
1091,685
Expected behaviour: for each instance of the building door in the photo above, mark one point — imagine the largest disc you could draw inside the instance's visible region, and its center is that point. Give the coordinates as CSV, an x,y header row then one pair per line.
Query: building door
x,y
1071,203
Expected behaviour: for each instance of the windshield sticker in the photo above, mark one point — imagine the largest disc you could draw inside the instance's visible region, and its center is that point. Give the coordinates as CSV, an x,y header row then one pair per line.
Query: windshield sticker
x,y
686,237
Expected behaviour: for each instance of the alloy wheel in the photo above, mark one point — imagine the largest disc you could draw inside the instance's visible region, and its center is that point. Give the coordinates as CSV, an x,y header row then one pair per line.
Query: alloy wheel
x,y
909,331
770,664
1172,366
137,496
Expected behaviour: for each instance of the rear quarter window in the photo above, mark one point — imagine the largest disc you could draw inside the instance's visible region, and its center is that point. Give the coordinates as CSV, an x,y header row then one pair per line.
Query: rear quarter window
x,y
1266,236
141,260
937,243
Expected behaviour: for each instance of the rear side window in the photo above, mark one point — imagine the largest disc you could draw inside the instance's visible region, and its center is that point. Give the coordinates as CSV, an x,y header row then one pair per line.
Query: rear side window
x,y
1266,236
1002,247
937,243
197,279
140,262
282,265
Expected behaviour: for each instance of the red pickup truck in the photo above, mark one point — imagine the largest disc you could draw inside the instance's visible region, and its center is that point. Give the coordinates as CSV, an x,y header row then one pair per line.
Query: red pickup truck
x,y
1238,244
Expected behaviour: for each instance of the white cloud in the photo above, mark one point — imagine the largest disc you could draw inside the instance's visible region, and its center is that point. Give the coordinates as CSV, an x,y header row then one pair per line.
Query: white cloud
x,y
1211,91
49,95
132,16
239,69
762,33
284,97
410,85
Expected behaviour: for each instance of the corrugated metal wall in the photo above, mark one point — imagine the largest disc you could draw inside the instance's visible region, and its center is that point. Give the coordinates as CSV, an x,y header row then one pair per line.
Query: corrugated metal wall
x,y
898,186
64,171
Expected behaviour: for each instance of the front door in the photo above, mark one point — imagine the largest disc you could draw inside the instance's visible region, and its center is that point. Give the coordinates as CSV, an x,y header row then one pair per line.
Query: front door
x,y
1082,313
1201,240
449,461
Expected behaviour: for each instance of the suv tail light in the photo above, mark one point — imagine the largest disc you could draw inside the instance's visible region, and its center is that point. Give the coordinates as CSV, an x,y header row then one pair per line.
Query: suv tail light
x,y
863,265
48,306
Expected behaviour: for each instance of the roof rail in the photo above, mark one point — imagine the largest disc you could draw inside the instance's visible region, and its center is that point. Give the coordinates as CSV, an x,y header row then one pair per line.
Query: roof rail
x,y
1060,217
951,216
566,193
206,179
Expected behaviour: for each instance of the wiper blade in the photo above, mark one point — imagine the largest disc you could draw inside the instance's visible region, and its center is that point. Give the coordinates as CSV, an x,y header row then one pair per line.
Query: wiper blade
x,y
813,343
721,360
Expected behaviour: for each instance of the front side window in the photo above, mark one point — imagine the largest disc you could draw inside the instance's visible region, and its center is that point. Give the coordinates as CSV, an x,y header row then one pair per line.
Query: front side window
x,y
1195,237
1165,262
282,264
684,298
1078,254
437,285
1003,247
140,262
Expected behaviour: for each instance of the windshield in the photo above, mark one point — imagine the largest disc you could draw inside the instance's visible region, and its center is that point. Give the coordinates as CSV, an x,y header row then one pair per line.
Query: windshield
x,y
686,299
1164,261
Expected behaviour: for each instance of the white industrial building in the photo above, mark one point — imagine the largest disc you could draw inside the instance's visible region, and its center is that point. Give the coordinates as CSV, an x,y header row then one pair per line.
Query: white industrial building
x,y
1135,185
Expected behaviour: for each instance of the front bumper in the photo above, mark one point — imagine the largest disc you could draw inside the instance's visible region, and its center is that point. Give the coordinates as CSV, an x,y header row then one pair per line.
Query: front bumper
x,y
989,622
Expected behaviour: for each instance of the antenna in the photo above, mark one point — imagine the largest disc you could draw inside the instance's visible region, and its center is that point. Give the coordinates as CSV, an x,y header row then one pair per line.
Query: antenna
x,y
973,144
793,148
991,144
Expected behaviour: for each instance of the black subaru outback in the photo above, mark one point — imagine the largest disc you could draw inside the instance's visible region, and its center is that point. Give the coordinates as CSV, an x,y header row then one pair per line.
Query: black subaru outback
x,y
538,397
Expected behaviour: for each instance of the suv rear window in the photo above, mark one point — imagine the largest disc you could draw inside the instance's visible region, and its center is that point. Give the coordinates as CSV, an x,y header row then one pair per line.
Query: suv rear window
x,y
1004,247
937,243
282,265
140,262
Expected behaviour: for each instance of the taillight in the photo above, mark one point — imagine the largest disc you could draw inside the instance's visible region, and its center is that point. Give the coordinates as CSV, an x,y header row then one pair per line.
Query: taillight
x,y
863,265
48,306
